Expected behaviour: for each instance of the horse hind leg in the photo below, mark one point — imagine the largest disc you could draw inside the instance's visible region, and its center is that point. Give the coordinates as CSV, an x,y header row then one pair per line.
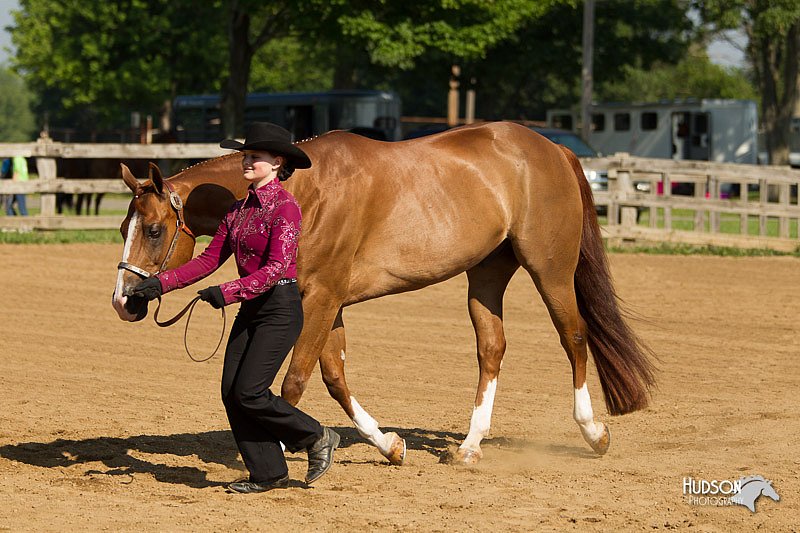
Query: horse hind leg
x,y
553,275
332,362
487,284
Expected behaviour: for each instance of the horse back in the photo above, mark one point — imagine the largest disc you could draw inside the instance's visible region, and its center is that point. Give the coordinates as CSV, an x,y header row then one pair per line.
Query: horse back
x,y
419,211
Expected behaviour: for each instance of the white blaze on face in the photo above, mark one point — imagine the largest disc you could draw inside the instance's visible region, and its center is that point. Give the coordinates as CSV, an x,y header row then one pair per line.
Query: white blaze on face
x,y
118,300
481,420
368,428
584,415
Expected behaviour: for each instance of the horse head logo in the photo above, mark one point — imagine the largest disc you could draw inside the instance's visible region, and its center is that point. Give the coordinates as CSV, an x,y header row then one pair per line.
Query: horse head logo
x,y
751,488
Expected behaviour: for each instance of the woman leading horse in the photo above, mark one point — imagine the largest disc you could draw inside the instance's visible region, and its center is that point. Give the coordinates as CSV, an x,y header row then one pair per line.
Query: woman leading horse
x,y
261,232
382,218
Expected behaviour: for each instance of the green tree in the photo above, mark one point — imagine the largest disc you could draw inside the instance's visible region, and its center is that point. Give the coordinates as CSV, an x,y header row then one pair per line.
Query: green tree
x,y
693,77
539,67
288,65
94,63
773,32
393,34
16,118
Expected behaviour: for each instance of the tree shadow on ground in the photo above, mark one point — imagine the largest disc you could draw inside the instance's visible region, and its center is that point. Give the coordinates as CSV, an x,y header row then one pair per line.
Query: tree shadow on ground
x,y
219,447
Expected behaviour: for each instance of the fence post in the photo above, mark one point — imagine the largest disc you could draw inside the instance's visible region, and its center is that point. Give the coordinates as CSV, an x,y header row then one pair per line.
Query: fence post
x,y
744,224
700,214
763,198
714,189
612,211
46,168
625,191
667,192
783,220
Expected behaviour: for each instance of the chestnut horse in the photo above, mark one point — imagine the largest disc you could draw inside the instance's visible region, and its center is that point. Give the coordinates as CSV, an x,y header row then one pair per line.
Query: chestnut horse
x,y
383,218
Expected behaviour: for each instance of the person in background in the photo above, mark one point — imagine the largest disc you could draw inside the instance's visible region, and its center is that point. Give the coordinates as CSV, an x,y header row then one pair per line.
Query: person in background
x,y
19,172
5,174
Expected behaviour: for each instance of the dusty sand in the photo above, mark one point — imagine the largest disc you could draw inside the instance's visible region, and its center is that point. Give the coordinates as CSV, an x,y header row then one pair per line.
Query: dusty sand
x,y
108,425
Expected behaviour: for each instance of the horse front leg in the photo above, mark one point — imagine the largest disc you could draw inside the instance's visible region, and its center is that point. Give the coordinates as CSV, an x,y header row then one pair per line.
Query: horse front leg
x,y
331,363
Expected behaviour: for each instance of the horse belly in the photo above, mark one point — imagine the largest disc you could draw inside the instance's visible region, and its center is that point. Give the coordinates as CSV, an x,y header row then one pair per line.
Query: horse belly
x,y
423,251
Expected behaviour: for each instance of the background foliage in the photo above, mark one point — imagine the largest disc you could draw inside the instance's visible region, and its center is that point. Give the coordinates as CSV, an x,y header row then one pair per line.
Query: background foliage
x,y
89,64
16,118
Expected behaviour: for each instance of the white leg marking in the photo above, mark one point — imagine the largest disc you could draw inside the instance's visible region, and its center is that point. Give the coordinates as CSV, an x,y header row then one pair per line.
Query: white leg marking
x,y
584,416
481,418
342,355
118,300
368,428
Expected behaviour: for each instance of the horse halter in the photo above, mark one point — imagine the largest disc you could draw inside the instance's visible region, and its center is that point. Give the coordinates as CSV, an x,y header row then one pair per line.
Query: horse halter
x,y
177,205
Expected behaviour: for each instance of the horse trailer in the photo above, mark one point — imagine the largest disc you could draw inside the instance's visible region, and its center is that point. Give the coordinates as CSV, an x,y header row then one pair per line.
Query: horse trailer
x,y
374,114
703,130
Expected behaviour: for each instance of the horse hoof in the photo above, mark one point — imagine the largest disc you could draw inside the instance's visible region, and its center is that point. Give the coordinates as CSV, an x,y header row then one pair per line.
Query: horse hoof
x,y
600,446
461,456
397,451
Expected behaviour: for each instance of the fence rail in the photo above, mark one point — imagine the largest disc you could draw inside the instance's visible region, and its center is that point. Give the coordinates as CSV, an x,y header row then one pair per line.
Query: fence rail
x,y
711,193
46,152
767,196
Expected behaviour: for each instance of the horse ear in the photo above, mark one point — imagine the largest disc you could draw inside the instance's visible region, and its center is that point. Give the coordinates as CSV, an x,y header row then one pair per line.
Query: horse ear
x,y
154,173
128,178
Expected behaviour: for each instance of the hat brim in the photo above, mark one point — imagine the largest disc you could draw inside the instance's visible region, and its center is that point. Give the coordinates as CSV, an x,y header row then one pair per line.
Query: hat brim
x,y
295,155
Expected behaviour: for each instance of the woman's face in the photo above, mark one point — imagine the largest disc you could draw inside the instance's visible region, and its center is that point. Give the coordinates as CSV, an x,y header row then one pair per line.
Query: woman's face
x,y
259,166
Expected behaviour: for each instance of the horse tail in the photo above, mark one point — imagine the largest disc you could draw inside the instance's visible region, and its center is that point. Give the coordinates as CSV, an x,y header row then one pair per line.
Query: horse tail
x,y
622,359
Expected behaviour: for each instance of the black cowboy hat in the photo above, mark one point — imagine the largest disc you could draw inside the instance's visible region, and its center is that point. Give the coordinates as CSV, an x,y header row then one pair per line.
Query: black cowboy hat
x,y
270,138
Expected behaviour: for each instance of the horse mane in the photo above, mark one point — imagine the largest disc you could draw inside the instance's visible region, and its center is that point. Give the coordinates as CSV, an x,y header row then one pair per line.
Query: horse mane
x,y
202,163
225,156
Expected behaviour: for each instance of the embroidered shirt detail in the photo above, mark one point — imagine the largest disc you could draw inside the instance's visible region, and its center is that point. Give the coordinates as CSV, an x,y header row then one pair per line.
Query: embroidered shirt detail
x,y
261,231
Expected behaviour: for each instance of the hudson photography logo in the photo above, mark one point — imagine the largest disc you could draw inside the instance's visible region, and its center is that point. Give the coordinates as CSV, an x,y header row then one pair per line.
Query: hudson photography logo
x,y
744,491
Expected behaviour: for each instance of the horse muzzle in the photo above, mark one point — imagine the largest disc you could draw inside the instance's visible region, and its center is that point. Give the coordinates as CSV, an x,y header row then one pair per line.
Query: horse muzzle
x,y
129,308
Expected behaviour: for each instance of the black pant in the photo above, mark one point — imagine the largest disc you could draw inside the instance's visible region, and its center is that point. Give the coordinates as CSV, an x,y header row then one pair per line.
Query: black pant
x,y
264,331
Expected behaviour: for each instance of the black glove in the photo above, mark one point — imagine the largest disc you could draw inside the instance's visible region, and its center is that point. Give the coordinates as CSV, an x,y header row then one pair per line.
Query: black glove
x,y
213,295
149,289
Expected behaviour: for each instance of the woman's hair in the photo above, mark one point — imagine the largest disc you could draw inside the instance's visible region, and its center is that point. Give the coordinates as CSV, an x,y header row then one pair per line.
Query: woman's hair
x,y
285,171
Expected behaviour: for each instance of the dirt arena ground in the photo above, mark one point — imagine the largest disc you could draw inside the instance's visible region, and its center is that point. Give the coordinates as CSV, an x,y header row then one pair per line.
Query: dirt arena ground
x,y
108,425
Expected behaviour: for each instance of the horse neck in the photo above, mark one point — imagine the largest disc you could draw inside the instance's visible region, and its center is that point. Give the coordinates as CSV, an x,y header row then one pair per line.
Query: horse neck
x,y
208,190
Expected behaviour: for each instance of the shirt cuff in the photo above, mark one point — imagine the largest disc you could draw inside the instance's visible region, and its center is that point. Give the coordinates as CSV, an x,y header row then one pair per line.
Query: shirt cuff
x,y
169,281
232,291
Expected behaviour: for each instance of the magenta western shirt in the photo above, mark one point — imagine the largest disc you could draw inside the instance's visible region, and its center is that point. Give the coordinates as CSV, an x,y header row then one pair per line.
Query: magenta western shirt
x,y
261,231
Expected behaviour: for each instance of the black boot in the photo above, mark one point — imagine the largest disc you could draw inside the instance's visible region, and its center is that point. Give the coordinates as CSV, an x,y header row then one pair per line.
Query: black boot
x,y
251,487
320,454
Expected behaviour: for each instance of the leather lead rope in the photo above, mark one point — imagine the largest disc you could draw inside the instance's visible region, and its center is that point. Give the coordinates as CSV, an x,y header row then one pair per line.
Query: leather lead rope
x,y
189,309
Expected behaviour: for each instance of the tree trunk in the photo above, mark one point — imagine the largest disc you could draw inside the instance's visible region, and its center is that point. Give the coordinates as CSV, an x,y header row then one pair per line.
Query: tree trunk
x,y
344,73
234,90
775,60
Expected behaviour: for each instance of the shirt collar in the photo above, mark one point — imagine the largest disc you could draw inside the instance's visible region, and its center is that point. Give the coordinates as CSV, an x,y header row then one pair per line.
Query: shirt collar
x,y
265,193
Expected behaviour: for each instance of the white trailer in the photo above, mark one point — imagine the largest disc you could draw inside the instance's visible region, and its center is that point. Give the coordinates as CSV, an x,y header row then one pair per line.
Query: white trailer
x,y
704,130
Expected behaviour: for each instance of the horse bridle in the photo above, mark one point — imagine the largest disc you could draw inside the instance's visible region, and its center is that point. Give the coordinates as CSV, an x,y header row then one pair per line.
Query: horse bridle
x,y
177,205
180,226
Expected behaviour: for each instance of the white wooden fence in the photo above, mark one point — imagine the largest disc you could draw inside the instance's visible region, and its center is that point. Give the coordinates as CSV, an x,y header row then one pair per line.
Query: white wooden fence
x,y
46,152
776,188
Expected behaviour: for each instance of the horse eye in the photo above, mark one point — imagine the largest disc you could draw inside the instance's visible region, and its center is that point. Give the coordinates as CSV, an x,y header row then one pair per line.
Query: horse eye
x,y
154,232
